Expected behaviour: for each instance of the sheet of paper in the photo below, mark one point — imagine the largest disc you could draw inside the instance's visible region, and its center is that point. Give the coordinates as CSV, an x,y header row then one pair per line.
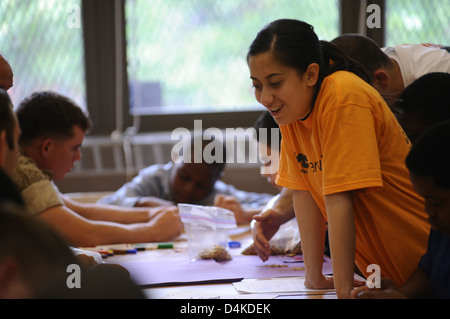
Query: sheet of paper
x,y
276,286
254,267
276,266
178,271
188,294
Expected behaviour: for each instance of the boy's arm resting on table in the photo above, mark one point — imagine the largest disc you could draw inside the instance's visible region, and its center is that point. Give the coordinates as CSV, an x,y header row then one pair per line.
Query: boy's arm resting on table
x,y
80,231
243,215
151,201
112,213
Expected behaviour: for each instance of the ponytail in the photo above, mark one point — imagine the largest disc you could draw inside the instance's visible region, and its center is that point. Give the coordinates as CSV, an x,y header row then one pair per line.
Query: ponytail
x,y
336,60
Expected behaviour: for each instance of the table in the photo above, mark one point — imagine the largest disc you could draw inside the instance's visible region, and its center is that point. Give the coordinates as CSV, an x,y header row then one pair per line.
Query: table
x,y
176,261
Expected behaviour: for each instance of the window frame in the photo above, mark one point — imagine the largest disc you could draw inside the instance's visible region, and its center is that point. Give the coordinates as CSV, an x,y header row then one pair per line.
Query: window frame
x,y
107,81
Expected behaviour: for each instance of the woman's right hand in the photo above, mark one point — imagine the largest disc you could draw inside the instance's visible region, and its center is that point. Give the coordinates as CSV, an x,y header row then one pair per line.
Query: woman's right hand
x,y
264,226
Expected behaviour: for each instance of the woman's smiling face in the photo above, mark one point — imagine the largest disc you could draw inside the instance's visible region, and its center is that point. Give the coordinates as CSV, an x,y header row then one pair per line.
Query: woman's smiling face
x,y
285,93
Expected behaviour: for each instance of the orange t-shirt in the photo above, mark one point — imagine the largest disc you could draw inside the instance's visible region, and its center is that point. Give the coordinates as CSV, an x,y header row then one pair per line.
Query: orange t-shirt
x,y
352,142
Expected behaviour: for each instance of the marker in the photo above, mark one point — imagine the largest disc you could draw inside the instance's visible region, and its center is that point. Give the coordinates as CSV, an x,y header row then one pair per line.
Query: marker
x,y
234,244
151,246
164,246
125,251
100,249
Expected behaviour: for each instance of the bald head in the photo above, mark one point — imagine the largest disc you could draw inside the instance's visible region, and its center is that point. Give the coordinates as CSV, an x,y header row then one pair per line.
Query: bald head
x,y
6,74
364,50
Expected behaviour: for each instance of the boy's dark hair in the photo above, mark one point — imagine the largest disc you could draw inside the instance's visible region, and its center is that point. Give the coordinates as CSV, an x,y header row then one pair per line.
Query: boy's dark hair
x,y
7,121
428,97
364,50
430,156
49,114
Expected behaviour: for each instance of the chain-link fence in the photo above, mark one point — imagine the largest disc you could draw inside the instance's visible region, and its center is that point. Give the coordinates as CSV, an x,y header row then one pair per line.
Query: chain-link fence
x,y
192,53
412,21
43,42
187,53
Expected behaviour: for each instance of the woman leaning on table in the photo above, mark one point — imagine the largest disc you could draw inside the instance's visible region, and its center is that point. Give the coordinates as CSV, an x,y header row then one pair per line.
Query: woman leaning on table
x,y
343,153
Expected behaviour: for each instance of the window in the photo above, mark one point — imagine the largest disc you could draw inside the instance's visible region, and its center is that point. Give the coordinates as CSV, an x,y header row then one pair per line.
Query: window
x,y
42,41
189,55
410,21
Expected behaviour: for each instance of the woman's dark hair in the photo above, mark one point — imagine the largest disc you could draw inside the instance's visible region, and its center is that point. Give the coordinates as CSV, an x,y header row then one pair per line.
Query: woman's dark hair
x,y
429,156
295,44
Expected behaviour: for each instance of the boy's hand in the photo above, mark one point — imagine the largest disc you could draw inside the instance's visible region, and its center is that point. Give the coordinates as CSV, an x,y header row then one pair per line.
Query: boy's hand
x,y
387,291
232,204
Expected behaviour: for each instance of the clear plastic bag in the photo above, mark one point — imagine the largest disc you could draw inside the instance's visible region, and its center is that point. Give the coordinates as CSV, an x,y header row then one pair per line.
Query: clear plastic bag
x,y
206,230
287,239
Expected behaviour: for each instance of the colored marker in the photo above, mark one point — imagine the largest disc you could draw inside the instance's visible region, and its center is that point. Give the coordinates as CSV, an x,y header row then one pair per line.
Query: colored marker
x,y
234,244
125,251
151,246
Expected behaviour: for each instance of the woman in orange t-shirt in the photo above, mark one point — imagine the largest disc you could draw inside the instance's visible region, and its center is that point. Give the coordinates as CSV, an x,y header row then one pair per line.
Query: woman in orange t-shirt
x,y
343,153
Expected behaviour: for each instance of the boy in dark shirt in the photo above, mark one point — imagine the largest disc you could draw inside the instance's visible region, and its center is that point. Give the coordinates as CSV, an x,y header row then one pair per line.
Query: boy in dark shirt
x,y
428,166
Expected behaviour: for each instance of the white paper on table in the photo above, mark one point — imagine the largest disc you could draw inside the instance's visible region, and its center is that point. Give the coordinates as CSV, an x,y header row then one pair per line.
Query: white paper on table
x,y
203,295
277,285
